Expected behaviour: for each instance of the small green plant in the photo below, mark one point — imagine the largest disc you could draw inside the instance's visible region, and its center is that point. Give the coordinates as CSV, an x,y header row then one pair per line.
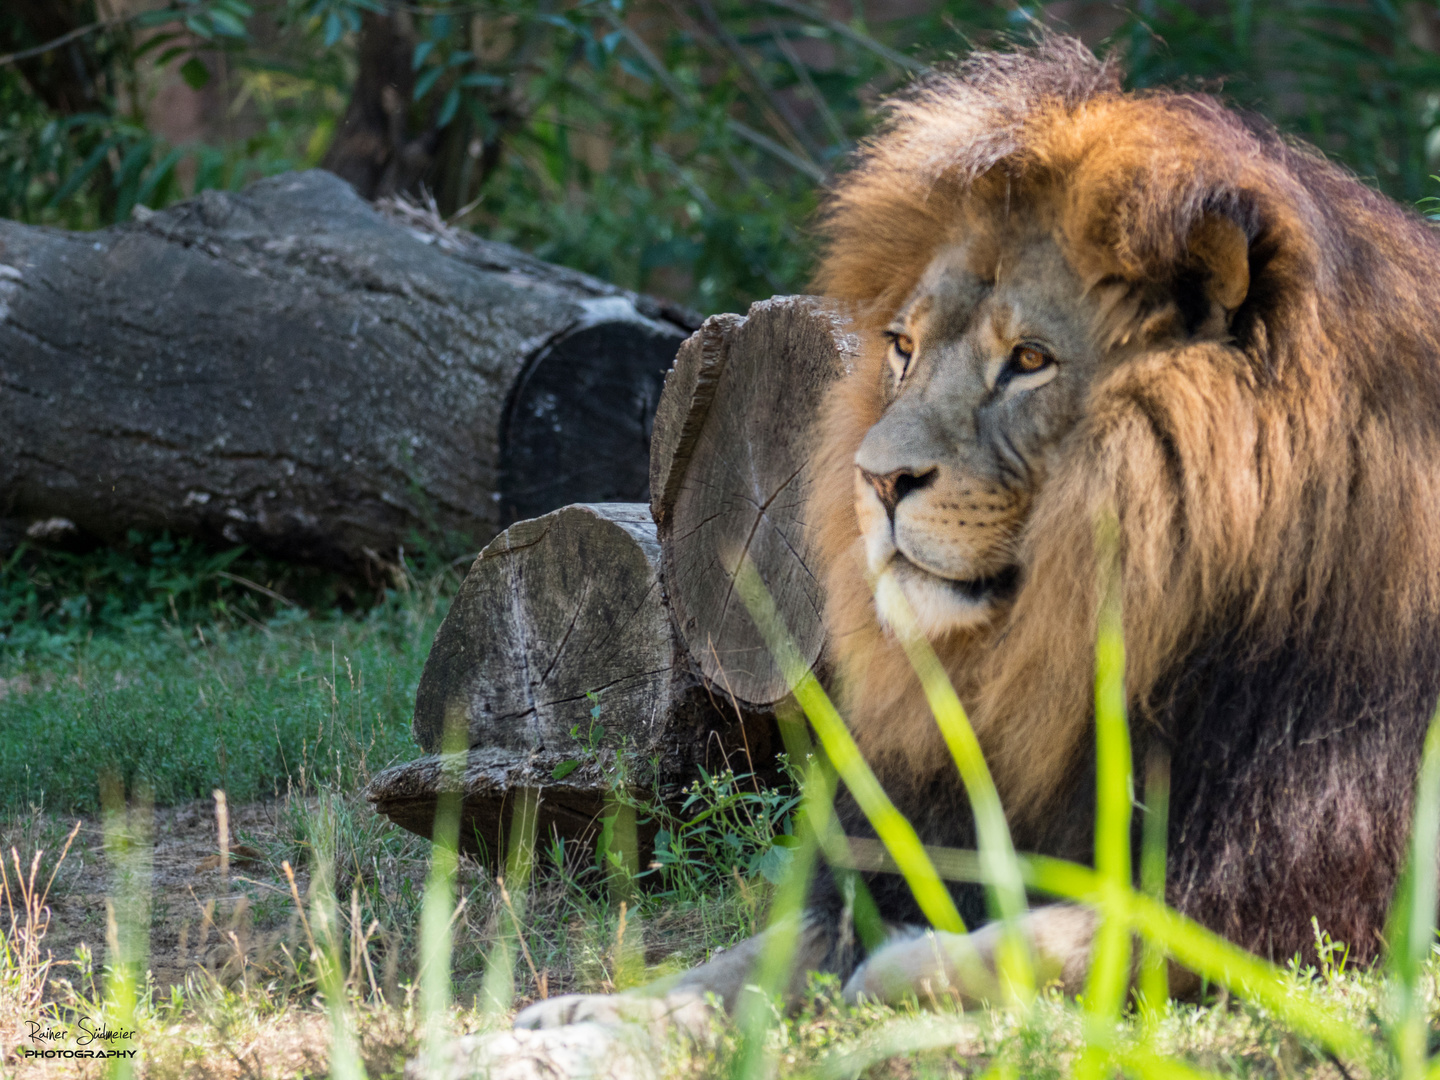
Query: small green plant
x,y
51,600
1430,205
589,742
728,825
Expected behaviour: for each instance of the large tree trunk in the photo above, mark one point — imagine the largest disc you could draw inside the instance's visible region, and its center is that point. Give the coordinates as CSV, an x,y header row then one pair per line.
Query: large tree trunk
x,y
373,149
388,143
290,369
729,477
558,654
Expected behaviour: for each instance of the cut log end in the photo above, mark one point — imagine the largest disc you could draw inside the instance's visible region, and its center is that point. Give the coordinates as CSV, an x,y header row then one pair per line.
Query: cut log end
x,y
736,423
579,421
557,657
559,625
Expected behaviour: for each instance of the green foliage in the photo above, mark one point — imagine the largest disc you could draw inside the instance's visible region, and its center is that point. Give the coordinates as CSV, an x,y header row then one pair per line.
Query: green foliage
x,y
254,696
727,825
1430,205
676,147
1358,78
90,168
51,601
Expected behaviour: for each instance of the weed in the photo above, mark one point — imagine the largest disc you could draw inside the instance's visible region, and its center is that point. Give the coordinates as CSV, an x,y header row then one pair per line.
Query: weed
x,y
24,905
53,600
727,827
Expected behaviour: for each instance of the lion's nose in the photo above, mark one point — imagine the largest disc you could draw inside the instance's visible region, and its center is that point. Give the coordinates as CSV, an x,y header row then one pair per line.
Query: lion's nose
x,y
894,486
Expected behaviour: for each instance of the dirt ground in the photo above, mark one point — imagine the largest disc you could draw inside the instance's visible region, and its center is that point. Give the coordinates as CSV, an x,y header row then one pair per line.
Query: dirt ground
x,y
226,921
234,923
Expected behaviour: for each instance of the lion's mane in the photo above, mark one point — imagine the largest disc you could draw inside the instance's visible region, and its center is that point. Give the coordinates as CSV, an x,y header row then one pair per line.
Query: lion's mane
x,y
1278,495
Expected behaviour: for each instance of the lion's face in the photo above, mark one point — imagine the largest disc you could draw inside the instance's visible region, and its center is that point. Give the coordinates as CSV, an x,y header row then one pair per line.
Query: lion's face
x,y
989,362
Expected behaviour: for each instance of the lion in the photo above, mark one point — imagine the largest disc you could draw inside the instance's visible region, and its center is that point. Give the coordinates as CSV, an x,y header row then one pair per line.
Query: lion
x,y
1078,302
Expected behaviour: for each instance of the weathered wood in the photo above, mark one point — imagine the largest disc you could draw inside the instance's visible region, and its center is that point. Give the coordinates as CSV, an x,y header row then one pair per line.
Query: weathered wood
x,y
729,477
689,390
290,368
490,782
557,653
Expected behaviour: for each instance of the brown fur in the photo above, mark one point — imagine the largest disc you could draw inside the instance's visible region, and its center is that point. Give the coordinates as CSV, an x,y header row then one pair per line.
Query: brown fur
x,y
1278,489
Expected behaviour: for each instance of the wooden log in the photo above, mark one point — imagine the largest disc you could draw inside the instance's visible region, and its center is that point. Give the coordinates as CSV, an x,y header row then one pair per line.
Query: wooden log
x,y
729,477
558,661
290,368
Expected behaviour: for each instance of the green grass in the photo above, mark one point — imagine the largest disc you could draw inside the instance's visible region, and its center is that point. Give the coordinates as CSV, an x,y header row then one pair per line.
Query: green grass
x,y
1391,1036
178,670
162,673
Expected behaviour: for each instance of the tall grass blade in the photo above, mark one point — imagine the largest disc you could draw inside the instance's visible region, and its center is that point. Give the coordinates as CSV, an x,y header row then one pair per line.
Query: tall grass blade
x,y
345,1063
498,990
1147,1065
1207,955
869,927
1412,921
1200,950
776,965
1109,976
891,826
1154,970
129,853
438,904
619,852
997,850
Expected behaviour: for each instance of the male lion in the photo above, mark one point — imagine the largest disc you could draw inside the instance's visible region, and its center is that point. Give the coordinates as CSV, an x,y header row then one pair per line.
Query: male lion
x,y
1079,302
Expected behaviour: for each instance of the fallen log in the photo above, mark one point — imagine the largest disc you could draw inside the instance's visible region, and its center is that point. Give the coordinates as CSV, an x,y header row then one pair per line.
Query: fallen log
x,y
289,368
729,477
558,667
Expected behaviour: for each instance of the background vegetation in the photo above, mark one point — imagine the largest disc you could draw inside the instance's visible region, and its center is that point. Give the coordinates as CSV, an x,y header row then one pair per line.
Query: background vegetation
x,y
670,145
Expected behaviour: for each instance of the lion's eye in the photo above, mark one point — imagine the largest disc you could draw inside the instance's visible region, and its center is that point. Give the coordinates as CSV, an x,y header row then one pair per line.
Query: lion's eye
x,y
903,344
902,348
1029,358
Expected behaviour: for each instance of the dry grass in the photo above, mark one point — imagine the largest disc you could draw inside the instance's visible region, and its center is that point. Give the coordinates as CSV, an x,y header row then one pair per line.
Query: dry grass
x,y
233,990
24,968
233,985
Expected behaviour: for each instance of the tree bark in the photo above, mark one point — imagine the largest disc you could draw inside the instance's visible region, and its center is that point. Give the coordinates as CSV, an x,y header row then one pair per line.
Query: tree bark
x,y
291,369
729,477
373,149
387,143
558,654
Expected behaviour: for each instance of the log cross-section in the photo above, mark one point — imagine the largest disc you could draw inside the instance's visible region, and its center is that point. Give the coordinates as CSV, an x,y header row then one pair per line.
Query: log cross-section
x,y
559,668
729,478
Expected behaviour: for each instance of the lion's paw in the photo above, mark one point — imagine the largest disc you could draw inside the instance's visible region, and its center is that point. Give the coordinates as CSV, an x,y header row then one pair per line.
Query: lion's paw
x,y
570,1052
592,1008
685,1011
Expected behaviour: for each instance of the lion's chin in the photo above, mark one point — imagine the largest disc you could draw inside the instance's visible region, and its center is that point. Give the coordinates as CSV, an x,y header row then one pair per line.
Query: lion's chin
x,y
943,605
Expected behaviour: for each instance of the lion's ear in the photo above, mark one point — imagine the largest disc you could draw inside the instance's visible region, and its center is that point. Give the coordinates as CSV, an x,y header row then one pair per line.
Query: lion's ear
x,y
1221,247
